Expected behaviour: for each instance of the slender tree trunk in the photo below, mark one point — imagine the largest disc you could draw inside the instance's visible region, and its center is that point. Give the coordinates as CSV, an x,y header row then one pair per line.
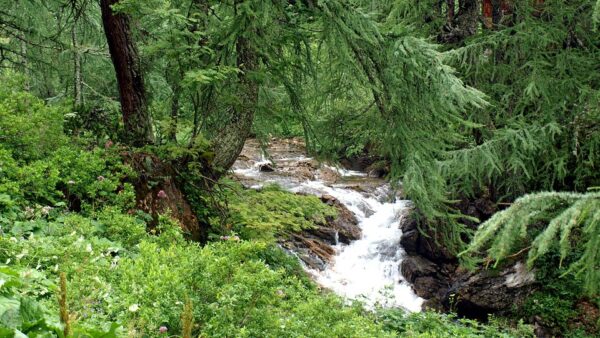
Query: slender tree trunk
x,y
25,62
172,136
124,54
77,77
497,11
450,14
487,10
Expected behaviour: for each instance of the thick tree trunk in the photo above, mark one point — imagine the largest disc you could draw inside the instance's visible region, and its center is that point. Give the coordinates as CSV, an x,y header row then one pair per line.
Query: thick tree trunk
x,y
138,128
158,190
229,142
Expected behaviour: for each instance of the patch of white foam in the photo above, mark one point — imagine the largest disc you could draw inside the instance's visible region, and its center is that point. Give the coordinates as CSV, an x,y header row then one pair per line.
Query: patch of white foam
x,y
347,173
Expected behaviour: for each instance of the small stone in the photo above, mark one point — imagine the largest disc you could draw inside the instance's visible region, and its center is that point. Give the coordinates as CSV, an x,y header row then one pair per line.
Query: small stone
x,y
266,168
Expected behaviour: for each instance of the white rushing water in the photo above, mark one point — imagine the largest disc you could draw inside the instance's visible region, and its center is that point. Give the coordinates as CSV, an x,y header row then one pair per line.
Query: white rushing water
x,y
367,269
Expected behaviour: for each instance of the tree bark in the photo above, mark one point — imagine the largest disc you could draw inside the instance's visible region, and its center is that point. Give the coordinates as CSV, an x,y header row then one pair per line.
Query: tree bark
x,y
158,189
172,133
230,140
124,55
77,76
464,23
450,14
487,10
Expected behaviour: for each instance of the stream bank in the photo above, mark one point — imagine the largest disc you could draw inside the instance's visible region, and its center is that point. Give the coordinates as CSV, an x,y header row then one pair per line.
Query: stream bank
x,y
375,250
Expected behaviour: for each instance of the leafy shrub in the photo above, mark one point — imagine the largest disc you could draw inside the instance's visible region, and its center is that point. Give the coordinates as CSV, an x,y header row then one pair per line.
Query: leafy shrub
x,y
68,177
554,305
117,273
234,293
94,177
432,324
554,311
21,315
28,127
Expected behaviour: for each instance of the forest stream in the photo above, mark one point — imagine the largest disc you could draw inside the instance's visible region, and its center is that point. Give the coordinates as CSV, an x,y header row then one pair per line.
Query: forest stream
x,y
367,269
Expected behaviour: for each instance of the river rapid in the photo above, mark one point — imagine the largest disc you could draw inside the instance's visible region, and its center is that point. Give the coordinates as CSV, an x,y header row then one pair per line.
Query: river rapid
x,y
367,269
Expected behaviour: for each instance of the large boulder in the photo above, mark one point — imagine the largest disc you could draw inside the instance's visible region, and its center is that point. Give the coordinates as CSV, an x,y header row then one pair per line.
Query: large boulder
x,y
429,280
315,246
419,242
436,276
480,293
413,267
345,224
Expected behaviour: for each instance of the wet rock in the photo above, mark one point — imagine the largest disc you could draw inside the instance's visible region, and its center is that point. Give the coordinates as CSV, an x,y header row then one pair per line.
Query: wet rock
x,y
301,170
435,275
328,175
413,267
304,253
424,275
315,246
378,169
360,162
345,223
410,234
429,287
477,294
409,241
429,267
266,168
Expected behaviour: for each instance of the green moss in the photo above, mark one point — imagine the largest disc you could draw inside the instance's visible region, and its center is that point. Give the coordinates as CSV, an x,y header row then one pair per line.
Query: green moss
x,y
263,214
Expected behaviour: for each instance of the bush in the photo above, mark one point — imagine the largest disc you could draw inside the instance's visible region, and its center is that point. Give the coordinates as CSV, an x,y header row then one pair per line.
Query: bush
x,y
22,316
28,127
70,177
432,324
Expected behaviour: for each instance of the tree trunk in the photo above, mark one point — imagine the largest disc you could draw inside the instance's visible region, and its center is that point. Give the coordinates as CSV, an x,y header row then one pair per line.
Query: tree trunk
x,y
464,24
487,10
450,14
77,77
172,133
229,142
25,62
158,189
138,128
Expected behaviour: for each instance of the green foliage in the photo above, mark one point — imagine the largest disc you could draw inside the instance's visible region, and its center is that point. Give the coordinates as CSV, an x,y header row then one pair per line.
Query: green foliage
x,y
432,324
21,315
503,113
555,312
554,305
566,218
29,128
596,15
237,288
66,177
271,211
